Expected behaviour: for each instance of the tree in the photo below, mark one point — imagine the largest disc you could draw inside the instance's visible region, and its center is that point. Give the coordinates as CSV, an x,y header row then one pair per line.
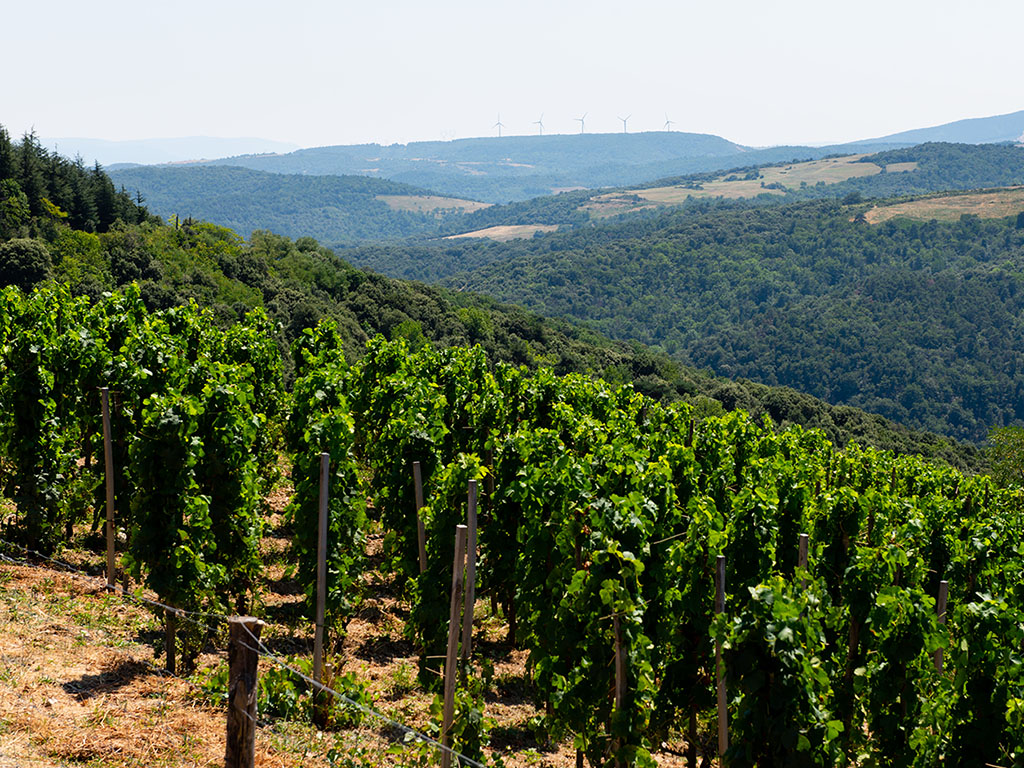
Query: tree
x,y
24,262
14,211
1006,455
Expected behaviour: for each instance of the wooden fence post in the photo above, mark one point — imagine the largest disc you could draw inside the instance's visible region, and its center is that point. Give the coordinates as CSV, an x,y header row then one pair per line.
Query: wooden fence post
x,y
321,587
723,714
802,557
108,467
421,530
451,659
940,609
620,676
243,659
170,637
467,612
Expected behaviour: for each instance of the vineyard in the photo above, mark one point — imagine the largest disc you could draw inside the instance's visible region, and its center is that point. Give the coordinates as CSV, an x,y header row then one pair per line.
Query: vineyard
x,y
602,517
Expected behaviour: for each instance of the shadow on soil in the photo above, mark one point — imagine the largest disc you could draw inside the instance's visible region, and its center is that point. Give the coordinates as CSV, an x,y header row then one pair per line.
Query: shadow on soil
x,y
115,677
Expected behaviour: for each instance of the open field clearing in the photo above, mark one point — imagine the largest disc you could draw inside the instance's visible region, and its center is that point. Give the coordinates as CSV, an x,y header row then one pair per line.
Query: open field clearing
x,y
507,232
430,203
994,204
774,180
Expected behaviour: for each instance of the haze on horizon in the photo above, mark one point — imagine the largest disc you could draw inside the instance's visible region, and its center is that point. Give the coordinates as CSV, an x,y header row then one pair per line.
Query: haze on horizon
x,y
395,71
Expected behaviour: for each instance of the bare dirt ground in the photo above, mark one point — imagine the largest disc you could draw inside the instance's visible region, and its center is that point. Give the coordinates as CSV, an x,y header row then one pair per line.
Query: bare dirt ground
x,y
507,232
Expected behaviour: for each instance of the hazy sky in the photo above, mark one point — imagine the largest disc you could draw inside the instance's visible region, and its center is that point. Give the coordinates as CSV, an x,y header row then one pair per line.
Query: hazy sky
x,y
314,72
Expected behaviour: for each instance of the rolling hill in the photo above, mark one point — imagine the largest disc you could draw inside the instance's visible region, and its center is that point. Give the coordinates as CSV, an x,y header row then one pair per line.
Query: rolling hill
x,y
338,210
501,170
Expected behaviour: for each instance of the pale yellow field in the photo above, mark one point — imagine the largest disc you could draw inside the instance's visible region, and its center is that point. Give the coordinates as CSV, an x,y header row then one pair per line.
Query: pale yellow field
x,y
507,232
430,203
994,204
829,171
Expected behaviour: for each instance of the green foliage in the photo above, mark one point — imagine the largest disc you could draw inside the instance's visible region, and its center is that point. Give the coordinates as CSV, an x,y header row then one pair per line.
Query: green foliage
x,y
446,509
904,319
38,186
772,649
321,422
339,210
1006,455
44,352
286,695
24,263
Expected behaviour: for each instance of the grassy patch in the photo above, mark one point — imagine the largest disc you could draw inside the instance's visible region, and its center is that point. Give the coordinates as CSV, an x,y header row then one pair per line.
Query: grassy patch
x,y
991,204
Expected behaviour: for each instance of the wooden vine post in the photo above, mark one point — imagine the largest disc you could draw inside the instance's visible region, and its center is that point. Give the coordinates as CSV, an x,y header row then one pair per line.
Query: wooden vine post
x,y
108,467
451,659
320,710
940,610
802,557
723,714
170,639
467,611
243,659
421,529
620,678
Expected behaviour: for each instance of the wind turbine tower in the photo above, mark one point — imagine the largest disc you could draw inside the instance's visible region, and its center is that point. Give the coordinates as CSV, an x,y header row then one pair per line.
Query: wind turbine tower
x,y
668,123
540,123
581,119
499,125
624,119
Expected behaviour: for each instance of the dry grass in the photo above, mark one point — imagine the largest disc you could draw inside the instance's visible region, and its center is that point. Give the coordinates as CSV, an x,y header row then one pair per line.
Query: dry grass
x,y
990,204
78,684
507,232
734,186
430,203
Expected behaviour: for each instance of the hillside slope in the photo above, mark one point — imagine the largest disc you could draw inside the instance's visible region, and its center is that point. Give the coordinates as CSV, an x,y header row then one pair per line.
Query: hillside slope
x,y
918,321
339,210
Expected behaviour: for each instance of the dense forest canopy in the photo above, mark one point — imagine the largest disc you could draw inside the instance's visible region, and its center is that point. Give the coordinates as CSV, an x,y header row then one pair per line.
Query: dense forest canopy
x,y
337,210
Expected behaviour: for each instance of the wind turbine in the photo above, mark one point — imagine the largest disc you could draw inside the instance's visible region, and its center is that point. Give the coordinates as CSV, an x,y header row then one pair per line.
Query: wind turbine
x,y
668,123
624,119
540,123
581,119
499,125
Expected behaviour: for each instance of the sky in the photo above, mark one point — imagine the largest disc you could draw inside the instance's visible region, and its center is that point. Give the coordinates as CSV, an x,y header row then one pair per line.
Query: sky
x,y
314,72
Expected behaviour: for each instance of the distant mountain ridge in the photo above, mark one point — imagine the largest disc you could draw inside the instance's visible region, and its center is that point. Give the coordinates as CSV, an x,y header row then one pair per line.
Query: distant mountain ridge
x,y
975,130
171,150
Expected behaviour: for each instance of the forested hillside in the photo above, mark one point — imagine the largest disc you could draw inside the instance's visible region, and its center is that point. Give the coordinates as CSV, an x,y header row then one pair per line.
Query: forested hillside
x,y
40,190
300,282
338,210
918,321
